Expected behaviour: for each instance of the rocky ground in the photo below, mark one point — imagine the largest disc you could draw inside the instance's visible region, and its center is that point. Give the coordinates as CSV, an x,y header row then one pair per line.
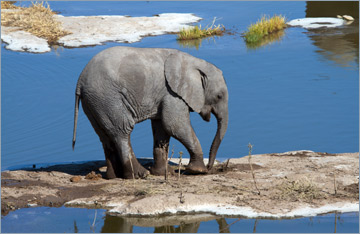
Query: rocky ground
x,y
298,183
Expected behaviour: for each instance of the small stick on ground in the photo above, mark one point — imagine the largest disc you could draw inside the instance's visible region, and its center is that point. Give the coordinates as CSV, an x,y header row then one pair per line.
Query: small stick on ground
x,y
182,197
167,163
132,171
172,153
252,170
181,192
180,153
226,165
335,184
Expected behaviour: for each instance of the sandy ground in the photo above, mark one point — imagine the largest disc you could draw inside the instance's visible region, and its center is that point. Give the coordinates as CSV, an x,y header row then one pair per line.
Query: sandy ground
x,y
96,30
291,184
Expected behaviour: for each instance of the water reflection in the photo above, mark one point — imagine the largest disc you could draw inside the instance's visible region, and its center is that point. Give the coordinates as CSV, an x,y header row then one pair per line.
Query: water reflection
x,y
192,224
340,45
166,224
332,8
78,220
269,39
195,43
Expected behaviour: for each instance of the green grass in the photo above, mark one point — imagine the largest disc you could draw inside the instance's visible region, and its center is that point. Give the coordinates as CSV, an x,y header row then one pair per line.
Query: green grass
x,y
264,27
198,32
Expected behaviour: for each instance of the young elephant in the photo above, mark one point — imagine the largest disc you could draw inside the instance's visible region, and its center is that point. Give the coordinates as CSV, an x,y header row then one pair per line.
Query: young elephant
x,y
122,86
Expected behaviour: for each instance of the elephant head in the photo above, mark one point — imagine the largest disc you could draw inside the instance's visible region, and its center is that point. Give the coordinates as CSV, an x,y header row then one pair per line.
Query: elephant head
x,y
202,86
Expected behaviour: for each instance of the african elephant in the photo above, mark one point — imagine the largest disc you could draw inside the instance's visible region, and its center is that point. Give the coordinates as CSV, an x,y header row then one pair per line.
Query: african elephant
x,y
122,86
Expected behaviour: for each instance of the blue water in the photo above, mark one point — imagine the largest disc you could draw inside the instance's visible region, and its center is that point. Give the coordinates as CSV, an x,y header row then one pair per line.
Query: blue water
x,y
288,95
46,219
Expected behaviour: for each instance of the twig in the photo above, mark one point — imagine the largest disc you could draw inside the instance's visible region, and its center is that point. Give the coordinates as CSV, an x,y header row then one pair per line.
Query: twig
x,y
181,196
167,163
180,153
335,184
252,170
132,170
226,165
172,153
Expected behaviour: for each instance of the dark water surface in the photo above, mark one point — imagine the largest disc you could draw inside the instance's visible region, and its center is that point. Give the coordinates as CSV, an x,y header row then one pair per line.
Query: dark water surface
x,y
300,91
46,219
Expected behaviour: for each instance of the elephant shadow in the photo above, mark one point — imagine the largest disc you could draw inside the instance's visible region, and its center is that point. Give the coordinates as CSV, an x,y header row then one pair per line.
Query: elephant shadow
x,y
84,168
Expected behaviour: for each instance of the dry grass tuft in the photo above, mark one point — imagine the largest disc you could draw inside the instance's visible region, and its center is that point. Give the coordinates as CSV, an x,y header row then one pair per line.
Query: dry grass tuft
x,y
37,19
198,32
264,27
302,189
8,5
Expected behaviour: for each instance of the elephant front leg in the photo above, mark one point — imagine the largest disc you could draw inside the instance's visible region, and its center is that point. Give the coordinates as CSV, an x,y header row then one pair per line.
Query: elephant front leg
x,y
161,148
192,144
176,122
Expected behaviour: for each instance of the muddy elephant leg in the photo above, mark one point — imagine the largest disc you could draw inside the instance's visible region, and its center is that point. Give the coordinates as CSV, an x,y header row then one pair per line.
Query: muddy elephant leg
x,y
176,122
192,144
130,166
112,164
161,147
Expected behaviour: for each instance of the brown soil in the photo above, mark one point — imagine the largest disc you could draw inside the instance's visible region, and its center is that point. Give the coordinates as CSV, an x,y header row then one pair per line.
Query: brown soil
x,y
286,181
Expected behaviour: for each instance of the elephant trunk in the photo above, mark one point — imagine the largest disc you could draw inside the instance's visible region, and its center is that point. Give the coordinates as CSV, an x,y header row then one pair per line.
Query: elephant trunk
x,y
222,123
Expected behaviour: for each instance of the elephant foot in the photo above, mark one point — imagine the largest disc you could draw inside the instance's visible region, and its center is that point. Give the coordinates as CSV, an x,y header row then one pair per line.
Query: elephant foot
x,y
160,171
196,167
134,171
110,174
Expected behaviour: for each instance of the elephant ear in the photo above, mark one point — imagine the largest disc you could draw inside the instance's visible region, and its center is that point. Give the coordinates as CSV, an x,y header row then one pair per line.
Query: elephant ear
x,y
186,79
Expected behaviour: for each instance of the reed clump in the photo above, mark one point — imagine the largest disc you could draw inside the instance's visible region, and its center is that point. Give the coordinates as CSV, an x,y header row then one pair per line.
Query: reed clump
x,y
37,19
198,32
8,5
264,27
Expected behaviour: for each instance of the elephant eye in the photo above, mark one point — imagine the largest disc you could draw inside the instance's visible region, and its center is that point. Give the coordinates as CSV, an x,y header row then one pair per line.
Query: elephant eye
x,y
219,96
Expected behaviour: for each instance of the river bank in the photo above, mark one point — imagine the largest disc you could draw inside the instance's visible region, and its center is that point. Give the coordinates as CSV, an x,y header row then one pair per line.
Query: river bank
x,y
290,184
96,30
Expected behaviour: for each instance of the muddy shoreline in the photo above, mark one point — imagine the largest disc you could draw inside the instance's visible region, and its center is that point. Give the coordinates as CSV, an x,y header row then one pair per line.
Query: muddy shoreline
x,y
291,184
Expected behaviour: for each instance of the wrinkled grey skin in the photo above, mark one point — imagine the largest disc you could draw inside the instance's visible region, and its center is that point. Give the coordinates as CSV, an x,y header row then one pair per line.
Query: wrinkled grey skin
x,y
122,86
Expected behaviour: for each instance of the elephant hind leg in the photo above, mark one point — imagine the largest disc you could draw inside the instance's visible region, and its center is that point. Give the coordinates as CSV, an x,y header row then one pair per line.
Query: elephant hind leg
x,y
131,168
113,165
161,147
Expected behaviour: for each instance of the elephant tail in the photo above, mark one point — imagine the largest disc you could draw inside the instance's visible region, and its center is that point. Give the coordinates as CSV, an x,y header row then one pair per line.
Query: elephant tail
x,y
77,101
